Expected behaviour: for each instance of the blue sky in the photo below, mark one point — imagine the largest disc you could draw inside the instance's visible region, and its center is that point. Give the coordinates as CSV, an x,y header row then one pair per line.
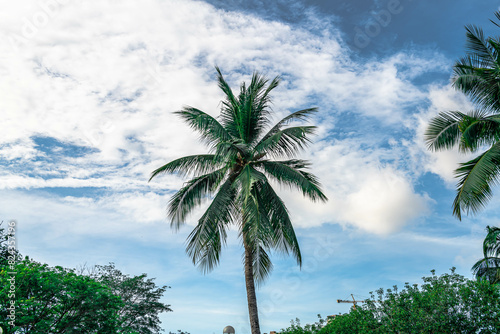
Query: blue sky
x,y
87,95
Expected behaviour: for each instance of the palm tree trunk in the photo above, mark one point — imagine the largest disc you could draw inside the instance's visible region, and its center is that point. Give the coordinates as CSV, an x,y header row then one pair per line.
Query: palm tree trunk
x,y
251,297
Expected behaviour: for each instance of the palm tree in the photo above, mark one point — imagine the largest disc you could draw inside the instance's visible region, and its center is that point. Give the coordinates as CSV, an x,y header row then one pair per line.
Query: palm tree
x,y
478,76
489,267
236,176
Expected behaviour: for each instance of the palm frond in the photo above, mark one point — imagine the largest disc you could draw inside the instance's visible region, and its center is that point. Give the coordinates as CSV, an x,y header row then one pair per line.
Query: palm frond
x,y
253,116
231,108
487,268
257,233
264,99
255,227
478,79
258,102
206,240
287,173
283,234
476,43
228,151
476,177
246,179
443,131
224,86
212,132
192,194
301,115
189,165
262,265
477,74
477,129
287,142
470,131
491,244
497,15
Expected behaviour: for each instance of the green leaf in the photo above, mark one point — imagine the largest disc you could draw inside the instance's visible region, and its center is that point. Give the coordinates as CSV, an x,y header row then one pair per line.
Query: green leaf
x,y
290,173
212,132
192,194
205,241
287,142
476,177
443,131
190,165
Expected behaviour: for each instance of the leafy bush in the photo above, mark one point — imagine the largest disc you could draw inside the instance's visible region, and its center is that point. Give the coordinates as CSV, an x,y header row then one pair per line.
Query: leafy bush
x,y
296,328
37,298
449,303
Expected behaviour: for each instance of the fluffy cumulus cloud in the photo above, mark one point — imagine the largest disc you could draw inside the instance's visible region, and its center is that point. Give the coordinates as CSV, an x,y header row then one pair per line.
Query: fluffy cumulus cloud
x,y
102,78
362,191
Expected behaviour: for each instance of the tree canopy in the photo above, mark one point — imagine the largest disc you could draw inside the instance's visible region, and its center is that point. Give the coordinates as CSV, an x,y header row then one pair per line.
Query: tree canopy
x,y
37,298
449,303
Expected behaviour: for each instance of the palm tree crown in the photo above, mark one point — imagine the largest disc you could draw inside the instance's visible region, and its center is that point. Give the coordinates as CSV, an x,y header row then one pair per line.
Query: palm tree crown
x,y
478,76
489,267
246,153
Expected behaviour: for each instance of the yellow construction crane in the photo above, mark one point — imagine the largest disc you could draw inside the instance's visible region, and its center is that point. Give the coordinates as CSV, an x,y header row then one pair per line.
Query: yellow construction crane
x,y
353,301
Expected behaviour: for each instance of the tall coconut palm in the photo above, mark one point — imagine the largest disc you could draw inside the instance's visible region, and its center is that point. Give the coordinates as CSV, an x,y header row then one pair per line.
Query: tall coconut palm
x,y
478,76
489,267
246,153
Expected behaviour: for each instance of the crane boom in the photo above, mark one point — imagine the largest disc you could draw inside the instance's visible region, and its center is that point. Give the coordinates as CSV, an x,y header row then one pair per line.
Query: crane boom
x,y
353,301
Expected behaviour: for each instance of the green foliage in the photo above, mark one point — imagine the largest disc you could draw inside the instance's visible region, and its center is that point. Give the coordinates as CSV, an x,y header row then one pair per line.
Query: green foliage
x,y
478,76
235,174
449,303
47,299
358,320
489,267
8,251
56,300
140,297
296,327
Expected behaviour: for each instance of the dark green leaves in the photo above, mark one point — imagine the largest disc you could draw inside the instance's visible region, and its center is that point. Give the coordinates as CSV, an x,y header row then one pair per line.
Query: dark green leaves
x,y
192,194
470,131
290,173
443,131
140,296
235,177
478,76
449,303
206,240
212,132
287,142
57,300
190,165
489,267
245,116
279,142
475,179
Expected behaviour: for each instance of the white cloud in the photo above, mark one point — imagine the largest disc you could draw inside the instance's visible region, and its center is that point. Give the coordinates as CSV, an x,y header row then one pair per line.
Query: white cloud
x,y
107,75
363,191
22,149
385,202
